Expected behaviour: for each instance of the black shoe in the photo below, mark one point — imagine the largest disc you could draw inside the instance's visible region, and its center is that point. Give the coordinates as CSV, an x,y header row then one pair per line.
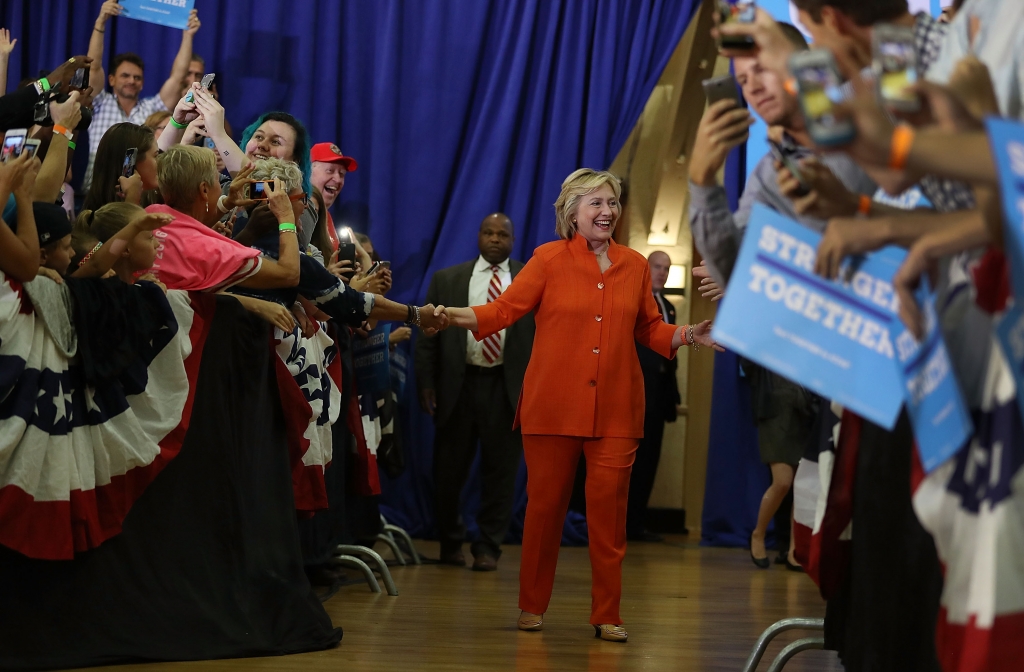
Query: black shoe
x,y
760,563
645,536
790,566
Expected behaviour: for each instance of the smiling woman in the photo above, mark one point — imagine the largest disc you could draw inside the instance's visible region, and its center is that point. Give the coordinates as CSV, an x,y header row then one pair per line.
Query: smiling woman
x,y
592,301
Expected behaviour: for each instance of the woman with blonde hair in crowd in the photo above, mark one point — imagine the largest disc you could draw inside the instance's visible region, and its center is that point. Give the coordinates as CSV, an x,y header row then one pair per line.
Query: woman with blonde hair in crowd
x,y
592,300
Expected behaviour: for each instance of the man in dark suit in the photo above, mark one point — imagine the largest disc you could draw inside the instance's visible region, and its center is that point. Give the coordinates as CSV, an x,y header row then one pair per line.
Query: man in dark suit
x,y
472,389
662,395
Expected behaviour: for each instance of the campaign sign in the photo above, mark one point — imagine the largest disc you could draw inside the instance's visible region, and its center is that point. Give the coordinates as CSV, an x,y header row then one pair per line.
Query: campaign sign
x,y
1007,141
1010,332
936,408
371,361
399,368
830,337
173,13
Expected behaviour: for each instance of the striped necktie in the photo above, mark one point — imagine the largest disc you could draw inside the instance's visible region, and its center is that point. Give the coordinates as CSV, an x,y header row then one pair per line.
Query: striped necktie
x,y
492,344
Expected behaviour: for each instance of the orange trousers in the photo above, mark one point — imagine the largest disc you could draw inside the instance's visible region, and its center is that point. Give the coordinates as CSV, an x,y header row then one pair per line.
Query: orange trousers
x,y
551,468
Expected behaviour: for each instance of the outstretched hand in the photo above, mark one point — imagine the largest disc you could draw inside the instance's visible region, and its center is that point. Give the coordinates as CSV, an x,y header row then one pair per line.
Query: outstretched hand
x,y
702,336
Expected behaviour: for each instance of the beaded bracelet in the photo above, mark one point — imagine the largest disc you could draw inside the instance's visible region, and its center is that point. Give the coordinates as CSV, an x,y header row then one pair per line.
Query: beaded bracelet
x,y
88,256
413,318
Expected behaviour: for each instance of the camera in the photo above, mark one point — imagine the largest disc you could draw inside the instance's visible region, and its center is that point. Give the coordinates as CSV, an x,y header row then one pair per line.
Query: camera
x,y
41,112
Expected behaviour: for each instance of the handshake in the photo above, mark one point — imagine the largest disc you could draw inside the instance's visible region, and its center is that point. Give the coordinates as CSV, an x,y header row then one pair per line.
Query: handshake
x,y
431,319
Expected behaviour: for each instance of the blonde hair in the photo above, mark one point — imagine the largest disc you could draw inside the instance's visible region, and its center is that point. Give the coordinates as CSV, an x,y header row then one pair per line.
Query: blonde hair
x,y
104,223
155,119
179,172
286,171
580,183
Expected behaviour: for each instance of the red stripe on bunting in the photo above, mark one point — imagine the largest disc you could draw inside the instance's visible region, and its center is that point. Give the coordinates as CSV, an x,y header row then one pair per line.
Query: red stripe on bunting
x,y
56,530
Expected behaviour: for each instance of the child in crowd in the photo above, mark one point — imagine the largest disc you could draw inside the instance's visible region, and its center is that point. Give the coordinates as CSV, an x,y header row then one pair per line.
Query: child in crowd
x,y
54,230
125,241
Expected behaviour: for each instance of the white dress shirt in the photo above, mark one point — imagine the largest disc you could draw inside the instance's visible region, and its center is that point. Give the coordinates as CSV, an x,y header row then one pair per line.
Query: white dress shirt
x,y
478,284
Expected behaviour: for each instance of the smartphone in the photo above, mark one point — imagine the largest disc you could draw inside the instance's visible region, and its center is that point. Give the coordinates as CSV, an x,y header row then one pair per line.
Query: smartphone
x,y
721,88
347,251
736,11
895,66
260,190
14,140
31,147
206,82
128,167
819,89
792,166
209,143
80,80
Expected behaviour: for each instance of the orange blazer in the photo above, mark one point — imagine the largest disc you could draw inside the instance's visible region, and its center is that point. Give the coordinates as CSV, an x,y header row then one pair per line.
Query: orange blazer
x,y
584,376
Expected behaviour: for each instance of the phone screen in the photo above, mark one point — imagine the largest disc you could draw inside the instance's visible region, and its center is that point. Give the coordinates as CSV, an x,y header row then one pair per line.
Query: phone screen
x,y
737,11
820,89
897,72
13,142
128,167
80,79
258,191
30,147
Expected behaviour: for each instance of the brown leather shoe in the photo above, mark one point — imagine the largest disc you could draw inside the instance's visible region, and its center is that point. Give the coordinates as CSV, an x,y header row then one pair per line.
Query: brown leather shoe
x,y
454,558
485,563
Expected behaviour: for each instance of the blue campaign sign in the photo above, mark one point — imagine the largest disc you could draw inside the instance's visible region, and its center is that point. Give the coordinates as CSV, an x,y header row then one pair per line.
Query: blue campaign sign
x,y
371,361
173,13
1007,140
830,337
1010,332
936,408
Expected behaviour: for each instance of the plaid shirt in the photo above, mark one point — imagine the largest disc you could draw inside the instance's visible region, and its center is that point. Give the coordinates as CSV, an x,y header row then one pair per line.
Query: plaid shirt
x,y
945,195
105,113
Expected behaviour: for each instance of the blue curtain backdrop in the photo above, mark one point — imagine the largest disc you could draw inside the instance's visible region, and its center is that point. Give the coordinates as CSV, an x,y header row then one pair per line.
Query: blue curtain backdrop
x,y
453,108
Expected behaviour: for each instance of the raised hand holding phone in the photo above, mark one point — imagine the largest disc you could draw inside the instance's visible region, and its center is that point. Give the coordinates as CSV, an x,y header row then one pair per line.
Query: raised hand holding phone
x,y
237,195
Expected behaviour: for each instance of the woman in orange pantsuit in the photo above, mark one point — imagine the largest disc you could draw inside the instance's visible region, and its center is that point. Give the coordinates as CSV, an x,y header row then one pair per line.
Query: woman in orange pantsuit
x,y
583,391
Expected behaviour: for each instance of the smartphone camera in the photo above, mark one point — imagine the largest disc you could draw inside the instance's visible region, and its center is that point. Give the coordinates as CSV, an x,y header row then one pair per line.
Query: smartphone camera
x,y
80,80
128,167
14,141
895,67
260,191
819,88
736,11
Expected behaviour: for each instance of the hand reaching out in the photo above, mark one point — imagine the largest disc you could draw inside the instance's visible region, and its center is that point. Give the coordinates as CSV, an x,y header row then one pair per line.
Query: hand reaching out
x,y
279,203
151,221
708,288
400,335
702,336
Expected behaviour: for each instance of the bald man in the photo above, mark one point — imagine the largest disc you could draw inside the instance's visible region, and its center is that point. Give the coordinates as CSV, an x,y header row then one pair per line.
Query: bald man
x,y
471,389
662,396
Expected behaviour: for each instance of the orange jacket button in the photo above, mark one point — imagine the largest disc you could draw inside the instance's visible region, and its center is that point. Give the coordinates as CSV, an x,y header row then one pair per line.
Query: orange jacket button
x,y
597,351
593,383
600,285
598,318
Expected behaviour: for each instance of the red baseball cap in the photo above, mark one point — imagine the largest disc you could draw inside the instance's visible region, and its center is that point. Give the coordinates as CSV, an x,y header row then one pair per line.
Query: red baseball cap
x,y
328,152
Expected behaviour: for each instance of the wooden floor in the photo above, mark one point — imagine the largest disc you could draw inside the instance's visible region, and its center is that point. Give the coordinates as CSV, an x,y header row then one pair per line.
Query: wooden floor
x,y
686,608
